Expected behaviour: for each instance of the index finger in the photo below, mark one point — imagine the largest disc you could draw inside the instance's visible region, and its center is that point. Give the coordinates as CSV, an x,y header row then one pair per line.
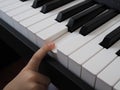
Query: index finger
x,y
36,59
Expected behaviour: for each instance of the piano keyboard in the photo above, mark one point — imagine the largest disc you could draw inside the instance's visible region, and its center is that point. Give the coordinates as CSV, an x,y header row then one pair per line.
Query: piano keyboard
x,y
86,35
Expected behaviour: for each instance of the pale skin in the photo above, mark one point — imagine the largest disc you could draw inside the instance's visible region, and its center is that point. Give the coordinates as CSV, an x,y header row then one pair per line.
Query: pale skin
x,y
29,78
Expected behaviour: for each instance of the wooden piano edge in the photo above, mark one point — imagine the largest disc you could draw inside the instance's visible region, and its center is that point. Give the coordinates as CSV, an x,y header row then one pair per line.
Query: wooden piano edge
x,y
60,76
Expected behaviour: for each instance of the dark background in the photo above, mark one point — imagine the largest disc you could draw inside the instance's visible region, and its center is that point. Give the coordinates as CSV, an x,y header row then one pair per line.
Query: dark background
x,y
10,63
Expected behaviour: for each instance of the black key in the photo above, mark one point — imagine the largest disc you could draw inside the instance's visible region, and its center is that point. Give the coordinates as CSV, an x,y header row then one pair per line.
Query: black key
x,y
23,0
97,21
111,38
118,53
38,3
83,17
115,4
53,5
74,10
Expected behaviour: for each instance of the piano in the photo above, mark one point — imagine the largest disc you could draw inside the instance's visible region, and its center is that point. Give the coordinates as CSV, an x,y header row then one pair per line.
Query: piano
x,y
86,34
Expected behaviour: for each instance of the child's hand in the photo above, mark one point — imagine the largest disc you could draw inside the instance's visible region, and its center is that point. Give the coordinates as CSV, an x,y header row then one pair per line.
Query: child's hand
x,y
29,78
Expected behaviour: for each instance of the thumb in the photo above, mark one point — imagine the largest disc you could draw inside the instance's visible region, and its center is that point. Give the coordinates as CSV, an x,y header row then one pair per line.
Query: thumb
x,y
36,59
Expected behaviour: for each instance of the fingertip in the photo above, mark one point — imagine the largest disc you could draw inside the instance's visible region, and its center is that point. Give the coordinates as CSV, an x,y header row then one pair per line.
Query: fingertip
x,y
49,46
39,55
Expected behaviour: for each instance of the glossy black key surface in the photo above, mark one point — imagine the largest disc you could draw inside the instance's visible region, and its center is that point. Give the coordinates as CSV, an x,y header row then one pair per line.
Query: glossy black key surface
x,y
118,53
53,5
111,38
65,14
38,3
97,21
83,17
115,4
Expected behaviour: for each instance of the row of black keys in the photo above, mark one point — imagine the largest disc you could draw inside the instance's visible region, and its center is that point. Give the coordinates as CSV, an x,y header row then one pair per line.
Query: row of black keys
x,y
81,15
115,4
88,15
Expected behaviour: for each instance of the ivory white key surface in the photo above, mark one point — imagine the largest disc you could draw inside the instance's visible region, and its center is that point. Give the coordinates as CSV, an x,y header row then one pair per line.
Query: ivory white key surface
x,y
42,16
68,43
38,27
32,21
61,39
8,15
117,86
30,25
83,54
86,52
98,62
23,29
51,33
77,40
109,76
20,17
1,0
21,9
7,2
27,14
32,30
13,6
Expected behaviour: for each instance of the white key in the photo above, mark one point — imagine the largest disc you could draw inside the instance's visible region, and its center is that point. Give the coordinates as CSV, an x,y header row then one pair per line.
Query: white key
x,y
7,2
117,86
26,14
21,9
13,6
1,0
41,16
109,76
67,47
62,39
32,30
35,20
95,65
91,68
43,24
82,55
51,33
21,17
7,17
